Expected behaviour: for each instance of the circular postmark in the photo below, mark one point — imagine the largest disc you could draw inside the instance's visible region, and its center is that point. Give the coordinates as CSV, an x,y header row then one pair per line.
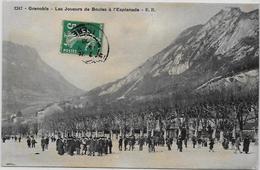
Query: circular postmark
x,y
85,39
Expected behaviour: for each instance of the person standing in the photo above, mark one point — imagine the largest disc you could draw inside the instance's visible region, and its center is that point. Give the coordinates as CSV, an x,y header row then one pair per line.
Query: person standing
x,y
149,143
43,143
19,139
179,144
246,144
60,146
47,142
206,142
225,144
211,145
120,143
105,146
33,142
110,145
85,147
96,144
71,146
168,143
194,141
153,144
99,146
28,141
125,143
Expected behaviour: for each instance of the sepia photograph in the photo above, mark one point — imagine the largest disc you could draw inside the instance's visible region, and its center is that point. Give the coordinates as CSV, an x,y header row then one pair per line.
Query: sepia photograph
x,y
157,85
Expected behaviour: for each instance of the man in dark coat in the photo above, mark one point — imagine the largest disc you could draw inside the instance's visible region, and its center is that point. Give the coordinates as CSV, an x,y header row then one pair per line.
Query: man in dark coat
x,y
153,144
183,133
168,143
47,142
110,145
70,146
60,146
104,145
28,142
246,144
179,144
43,143
33,142
194,141
95,144
120,143
149,143
99,146
85,146
125,143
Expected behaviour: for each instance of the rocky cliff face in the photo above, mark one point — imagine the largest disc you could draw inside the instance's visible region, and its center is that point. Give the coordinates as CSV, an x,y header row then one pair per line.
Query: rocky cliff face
x,y
216,54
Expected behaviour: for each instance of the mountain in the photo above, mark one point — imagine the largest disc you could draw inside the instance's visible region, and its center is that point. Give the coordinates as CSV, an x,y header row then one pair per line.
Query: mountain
x,y
28,82
222,53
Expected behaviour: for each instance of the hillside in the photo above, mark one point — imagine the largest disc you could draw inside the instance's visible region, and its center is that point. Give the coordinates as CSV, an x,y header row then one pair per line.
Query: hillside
x,y
202,57
28,82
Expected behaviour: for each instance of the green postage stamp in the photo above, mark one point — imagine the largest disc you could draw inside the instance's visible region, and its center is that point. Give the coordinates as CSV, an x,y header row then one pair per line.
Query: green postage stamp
x,y
84,39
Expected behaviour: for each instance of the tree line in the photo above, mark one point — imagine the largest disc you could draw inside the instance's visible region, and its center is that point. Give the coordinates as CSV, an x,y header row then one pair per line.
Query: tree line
x,y
227,110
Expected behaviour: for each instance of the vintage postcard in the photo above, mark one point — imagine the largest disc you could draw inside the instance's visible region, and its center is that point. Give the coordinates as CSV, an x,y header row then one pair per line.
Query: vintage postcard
x,y
130,85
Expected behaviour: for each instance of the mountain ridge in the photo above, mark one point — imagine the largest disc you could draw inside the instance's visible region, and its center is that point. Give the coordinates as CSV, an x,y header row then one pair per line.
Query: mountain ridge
x,y
226,44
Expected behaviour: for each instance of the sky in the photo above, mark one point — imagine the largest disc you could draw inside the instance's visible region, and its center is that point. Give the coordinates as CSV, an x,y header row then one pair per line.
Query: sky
x,y
133,36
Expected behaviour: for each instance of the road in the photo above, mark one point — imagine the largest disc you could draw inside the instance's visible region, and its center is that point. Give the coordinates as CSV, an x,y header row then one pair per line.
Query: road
x,y
17,154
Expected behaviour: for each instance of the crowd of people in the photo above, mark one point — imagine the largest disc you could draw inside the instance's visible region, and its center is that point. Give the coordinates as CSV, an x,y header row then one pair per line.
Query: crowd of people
x,y
197,142
30,140
99,146
151,142
90,146
130,142
15,138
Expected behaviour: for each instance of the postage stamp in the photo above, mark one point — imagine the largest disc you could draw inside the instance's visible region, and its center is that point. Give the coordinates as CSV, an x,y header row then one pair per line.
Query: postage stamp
x,y
84,39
